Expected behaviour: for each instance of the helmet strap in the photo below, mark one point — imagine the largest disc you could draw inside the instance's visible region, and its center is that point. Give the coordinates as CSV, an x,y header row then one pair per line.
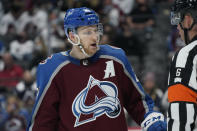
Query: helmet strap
x,y
78,44
186,37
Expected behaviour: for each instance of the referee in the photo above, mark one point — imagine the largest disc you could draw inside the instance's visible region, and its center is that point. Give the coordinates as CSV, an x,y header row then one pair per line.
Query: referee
x,y
182,80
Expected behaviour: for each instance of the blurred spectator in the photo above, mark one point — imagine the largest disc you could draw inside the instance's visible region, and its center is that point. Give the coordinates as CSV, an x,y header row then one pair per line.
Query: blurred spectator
x,y
31,31
105,39
13,121
26,87
1,10
40,16
107,6
65,4
114,16
138,25
9,36
152,90
125,6
26,91
174,42
40,52
25,18
141,21
29,4
11,73
6,5
3,115
111,12
2,102
2,49
57,35
109,35
16,17
115,10
41,21
96,5
128,42
22,48
142,16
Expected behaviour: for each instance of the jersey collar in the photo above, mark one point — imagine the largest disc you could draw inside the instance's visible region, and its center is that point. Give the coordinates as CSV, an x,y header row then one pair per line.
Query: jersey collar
x,y
83,62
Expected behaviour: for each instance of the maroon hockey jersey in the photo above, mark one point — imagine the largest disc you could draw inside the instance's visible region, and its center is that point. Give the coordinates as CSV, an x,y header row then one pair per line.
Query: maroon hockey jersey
x,y
88,94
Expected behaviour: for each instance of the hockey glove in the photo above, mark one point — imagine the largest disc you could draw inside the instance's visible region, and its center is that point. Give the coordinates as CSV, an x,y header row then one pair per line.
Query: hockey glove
x,y
154,121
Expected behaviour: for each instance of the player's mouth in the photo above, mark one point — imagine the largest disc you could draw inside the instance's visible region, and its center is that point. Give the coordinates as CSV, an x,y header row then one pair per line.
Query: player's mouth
x,y
94,45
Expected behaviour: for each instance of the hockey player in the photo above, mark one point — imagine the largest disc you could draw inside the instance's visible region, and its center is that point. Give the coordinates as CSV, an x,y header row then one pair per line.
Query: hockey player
x,y
86,88
182,84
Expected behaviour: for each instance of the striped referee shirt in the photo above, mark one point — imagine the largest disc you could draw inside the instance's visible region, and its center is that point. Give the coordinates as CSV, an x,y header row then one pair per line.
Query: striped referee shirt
x,y
182,89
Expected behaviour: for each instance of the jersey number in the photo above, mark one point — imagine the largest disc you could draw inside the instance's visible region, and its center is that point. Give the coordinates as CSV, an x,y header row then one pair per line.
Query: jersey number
x,y
178,72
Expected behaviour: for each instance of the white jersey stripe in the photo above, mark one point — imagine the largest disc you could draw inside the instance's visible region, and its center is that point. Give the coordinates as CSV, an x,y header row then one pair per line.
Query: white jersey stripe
x,y
175,116
183,54
193,82
190,116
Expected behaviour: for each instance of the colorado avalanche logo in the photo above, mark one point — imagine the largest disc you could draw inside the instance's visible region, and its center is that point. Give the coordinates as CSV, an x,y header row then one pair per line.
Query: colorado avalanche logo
x,y
98,98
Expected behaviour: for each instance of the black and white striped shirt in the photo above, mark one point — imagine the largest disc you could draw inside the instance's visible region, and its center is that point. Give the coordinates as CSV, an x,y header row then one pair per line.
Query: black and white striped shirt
x,y
182,89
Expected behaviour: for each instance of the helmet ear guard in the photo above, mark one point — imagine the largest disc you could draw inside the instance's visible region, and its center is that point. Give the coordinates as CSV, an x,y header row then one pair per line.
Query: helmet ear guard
x,y
100,28
72,32
175,18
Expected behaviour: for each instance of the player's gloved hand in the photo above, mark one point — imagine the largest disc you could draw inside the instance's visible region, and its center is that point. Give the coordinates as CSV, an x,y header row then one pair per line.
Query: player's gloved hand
x,y
154,121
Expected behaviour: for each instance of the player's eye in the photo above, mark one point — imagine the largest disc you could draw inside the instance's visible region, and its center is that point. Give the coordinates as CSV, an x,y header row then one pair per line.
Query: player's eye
x,y
90,32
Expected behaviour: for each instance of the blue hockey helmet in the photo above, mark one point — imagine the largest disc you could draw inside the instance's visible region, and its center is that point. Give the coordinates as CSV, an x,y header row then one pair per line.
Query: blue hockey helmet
x,y
77,17
180,8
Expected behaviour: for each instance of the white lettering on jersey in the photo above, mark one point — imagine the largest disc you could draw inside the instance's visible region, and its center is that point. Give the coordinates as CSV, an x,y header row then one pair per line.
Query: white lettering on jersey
x,y
177,79
109,71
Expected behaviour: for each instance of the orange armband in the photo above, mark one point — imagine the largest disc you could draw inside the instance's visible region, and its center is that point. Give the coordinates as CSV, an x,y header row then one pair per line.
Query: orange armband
x,y
180,92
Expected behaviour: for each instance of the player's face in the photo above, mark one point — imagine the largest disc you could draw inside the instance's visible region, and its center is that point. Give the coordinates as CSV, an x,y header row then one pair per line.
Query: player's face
x,y
89,38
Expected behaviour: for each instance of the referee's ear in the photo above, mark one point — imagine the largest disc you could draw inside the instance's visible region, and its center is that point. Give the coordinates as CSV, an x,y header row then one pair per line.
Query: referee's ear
x,y
195,28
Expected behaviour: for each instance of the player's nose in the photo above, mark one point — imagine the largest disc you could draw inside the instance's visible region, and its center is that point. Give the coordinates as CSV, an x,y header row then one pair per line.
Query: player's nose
x,y
95,37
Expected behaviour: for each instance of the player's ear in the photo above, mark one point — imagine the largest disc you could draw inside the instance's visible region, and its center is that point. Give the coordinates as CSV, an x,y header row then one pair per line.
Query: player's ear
x,y
71,36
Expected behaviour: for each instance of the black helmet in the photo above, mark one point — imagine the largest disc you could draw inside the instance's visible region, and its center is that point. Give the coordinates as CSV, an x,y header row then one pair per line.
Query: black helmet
x,y
180,8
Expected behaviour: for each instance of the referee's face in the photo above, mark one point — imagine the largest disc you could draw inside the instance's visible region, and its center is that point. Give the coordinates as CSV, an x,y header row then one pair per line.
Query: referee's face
x,y
181,32
185,24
